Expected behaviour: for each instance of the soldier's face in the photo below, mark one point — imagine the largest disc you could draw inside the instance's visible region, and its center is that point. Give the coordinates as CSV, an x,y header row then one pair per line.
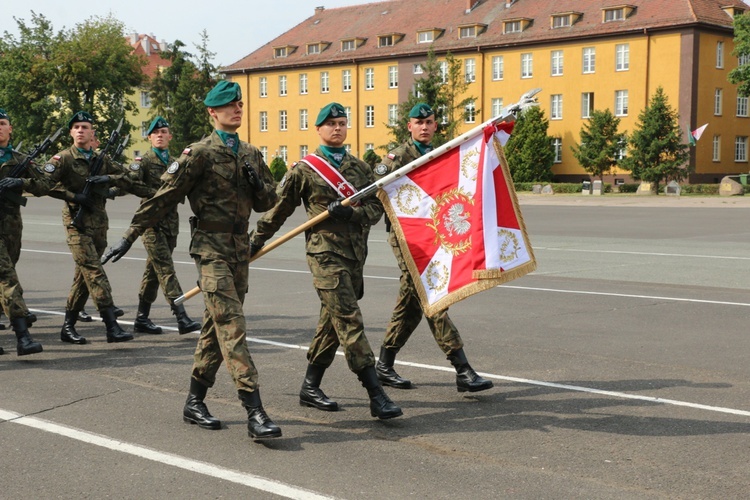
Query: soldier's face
x,y
227,118
160,138
5,130
422,129
333,132
82,134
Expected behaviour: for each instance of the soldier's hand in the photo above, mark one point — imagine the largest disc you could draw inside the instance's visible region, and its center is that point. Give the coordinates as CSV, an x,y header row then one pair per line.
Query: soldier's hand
x,y
254,179
83,200
115,252
112,192
11,183
98,179
255,248
340,212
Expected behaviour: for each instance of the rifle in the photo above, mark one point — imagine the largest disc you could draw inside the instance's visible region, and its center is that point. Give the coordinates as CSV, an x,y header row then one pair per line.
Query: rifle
x,y
117,153
95,169
18,170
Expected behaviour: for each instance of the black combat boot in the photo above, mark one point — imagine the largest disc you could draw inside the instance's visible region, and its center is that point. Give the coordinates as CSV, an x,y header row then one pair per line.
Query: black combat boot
x,y
466,378
311,395
114,332
84,317
30,318
259,424
184,323
386,374
142,323
381,405
25,344
68,332
119,313
196,411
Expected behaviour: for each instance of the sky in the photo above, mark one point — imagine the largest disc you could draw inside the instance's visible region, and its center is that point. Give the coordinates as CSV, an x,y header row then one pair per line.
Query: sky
x,y
246,26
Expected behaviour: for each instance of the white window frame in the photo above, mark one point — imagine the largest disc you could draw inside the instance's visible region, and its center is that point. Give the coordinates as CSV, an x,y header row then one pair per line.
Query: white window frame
x,y
369,78
303,119
719,55
718,102
348,111
556,107
622,57
527,65
386,41
264,153
621,102
392,114
587,104
283,120
716,146
369,146
511,27
313,48
263,121
144,129
283,153
369,116
557,147
348,45
498,68
589,60
417,69
556,62
263,86
614,15
303,84
346,80
282,85
467,32
742,107
425,37
303,150
740,149
325,82
470,70
444,71
145,99
496,106
470,113
392,77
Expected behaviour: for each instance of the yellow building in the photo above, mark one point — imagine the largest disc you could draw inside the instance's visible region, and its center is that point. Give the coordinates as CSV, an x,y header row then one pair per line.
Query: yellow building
x,y
584,54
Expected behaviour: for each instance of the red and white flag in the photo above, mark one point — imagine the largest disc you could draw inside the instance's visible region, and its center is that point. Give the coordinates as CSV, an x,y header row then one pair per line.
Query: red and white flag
x,y
458,221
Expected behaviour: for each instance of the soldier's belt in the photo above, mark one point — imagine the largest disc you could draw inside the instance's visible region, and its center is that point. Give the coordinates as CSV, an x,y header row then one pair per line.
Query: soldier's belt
x,y
331,226
221,227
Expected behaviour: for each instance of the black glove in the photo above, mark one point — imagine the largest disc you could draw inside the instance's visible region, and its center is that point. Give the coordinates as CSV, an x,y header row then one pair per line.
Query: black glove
x,y
254,179
117,251
340,212
112,192
84,201
11,183
98,179
255,248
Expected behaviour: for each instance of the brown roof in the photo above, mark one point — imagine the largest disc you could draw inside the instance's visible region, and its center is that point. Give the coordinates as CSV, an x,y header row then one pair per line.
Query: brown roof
x,y
150,48
368,21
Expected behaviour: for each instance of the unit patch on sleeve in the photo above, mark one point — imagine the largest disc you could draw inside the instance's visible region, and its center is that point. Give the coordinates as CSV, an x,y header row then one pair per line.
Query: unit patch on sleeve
x,y
49,168
381,169
173,167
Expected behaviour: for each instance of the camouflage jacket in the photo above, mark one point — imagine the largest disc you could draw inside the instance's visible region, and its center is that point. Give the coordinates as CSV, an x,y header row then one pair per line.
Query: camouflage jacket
x,y
215,183
146,172
34,182
301,184
69,169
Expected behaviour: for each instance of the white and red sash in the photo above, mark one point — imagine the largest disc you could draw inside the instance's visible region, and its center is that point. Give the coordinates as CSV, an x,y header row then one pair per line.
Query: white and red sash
x,y
331,175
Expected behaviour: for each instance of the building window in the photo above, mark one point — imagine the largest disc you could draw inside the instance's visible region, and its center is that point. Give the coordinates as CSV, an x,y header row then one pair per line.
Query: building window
x,y
557,62
470,113
442,112
527,65
346,80
283,153
303,119
348,45
313,48
392,77
621,102
497,107
614,15
348,110
444,71
512,27
622,57
470,70
742,106
369,146
425,36
324,82
718,98
282,120
369,78
392,114
369,116
468,32
385,41
282,85
556,107
498,68
587,104
561,21
303,151
743,59
303,83
716,155
145,100
264,121
720,55
263,86
557,146
279,52
740,149
144,129
418,69
264,153
348,148
589,60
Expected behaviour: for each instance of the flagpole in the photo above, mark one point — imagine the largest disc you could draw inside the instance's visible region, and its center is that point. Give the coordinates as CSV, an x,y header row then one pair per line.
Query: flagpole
x,y
526,100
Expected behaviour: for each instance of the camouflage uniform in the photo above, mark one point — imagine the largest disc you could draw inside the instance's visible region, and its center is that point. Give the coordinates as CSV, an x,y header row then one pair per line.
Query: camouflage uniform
x,y
220,195
11,229
336,254
70,169
160,240
408,311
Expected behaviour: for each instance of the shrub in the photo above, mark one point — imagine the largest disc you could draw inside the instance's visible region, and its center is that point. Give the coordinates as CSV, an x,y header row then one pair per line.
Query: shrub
x,y
278,168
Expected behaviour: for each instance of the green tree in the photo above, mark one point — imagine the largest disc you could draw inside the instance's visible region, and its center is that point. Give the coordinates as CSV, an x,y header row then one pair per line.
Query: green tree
x,y
371,158
600,143
529,150
741,74
178,91
656,151
278,168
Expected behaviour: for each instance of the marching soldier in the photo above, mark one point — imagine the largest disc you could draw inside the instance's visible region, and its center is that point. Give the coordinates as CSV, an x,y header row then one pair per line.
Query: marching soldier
x,y
336,252
71,169
224,179
408,311
11,228
160,240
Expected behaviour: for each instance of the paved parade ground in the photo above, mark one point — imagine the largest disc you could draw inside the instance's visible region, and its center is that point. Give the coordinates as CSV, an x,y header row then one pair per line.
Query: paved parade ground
x,y
620,368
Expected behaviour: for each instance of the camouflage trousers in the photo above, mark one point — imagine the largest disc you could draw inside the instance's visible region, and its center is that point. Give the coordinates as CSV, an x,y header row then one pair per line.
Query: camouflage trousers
x,y
339,283
222,337
159,245
408,313
87,248
11,293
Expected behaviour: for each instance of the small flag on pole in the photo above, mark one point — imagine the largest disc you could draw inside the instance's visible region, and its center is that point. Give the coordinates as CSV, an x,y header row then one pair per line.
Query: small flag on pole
x,y
696,134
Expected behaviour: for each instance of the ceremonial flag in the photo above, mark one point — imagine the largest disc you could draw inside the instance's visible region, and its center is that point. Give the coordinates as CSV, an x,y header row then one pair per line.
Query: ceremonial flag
x,y
458,221
696,134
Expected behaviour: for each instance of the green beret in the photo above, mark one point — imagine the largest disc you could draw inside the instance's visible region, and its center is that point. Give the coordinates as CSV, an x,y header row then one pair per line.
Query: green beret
x,y
223,93
421,110
333,110
158,122
81,116
4,115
